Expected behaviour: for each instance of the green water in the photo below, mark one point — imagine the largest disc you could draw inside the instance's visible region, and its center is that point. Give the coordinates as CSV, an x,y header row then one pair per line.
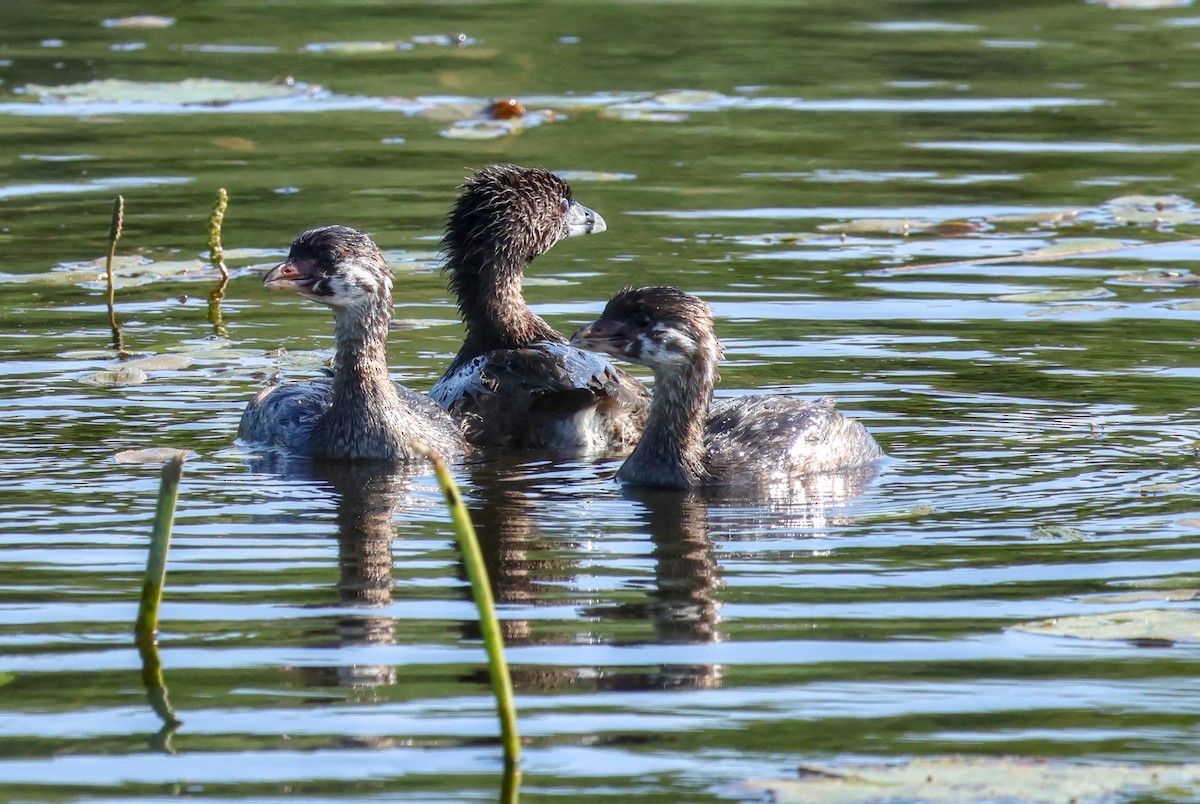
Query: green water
x,y
317,636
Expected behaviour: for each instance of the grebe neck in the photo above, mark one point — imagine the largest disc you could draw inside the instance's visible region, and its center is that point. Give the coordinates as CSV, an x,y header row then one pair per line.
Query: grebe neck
x,y
672,451
487,282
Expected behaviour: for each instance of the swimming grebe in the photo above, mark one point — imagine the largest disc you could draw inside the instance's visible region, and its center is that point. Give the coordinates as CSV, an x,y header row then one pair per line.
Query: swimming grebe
x,y
359,414
515,382
689,441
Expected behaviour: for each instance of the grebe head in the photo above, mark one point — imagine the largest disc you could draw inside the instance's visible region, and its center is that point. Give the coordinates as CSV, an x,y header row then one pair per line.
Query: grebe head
x,y
659,327
336,266
519,212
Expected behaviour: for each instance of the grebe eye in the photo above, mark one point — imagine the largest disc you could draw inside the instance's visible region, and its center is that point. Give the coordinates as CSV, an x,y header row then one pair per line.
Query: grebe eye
x,y
332,256
643,320
563,205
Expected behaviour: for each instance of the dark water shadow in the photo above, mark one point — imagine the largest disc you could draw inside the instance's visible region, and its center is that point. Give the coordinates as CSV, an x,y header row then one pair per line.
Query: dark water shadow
x,y
522,518
366,496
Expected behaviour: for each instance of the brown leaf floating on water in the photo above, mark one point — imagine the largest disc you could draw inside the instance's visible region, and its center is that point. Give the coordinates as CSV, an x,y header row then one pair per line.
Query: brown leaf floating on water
x,y
505,109
953,229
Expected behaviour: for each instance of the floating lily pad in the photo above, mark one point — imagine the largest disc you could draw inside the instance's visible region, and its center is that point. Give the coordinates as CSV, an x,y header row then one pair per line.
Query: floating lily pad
x,y
643,115
965,779
167,362
190,91
223,355
1055,217
357,48
253,253
695,98
447,109
486,128
902,226
1059,532
1068,309
151,455
1170,595
1167,217
1149,201
952,229
895,226
1174,582
115,378
1040,296
1160,276
1156,488
202,345
89,354
128,271
1169,625
1073,246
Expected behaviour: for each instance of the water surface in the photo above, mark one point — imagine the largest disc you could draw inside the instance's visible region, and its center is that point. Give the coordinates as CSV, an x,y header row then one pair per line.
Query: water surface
x,y
318,638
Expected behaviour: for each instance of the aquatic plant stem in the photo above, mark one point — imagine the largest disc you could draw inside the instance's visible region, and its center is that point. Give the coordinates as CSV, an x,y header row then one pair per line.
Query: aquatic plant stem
x,y
114,234
145,630
493,640
216,252
216,256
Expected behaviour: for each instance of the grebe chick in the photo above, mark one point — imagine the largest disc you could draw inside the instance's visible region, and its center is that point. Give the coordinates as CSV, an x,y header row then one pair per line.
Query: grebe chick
x,y
691,442
516,383
358,414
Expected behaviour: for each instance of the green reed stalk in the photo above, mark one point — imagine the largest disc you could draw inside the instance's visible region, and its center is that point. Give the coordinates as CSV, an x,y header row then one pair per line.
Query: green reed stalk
x,y
468,544
216,256
216,252
145,630
114,234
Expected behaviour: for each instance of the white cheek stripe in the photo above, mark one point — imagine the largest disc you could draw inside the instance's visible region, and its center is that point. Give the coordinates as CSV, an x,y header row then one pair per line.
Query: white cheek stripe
x,y
667,348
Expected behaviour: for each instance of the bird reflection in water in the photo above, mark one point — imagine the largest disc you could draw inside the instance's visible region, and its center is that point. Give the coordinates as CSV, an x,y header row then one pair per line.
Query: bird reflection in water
x,y
527,516
526,513
366,496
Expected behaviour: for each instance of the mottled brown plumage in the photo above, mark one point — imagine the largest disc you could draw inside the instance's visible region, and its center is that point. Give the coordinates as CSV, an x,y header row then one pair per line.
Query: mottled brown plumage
x,y
515,382
359,414
690,442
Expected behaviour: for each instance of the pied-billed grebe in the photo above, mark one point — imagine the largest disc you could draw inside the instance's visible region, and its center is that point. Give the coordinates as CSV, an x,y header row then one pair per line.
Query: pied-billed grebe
x,y
689,441
515,382
359,414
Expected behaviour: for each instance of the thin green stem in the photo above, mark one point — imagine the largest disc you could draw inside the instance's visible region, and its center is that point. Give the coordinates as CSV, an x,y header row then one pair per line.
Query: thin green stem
x,y
216,252
216,255
493,640
145,630
114,234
